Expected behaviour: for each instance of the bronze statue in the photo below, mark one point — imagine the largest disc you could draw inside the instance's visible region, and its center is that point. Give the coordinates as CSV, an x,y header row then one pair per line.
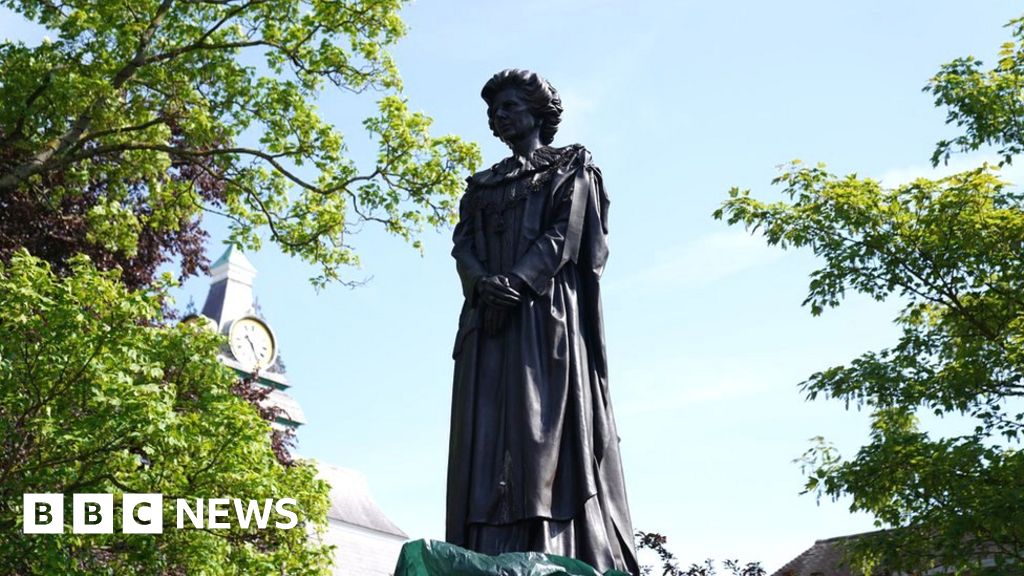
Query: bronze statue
x,y
533,461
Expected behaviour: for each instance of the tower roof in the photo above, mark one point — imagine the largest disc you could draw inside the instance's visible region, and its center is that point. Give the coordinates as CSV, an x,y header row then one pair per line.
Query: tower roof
x,y
232,257
230,296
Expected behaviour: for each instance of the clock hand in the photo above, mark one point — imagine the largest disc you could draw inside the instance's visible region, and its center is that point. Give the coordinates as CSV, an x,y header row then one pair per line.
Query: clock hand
x,y
255,355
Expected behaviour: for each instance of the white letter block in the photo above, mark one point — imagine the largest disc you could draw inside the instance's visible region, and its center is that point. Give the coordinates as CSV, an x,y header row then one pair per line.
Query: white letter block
x,y
148,508
92,514
43,514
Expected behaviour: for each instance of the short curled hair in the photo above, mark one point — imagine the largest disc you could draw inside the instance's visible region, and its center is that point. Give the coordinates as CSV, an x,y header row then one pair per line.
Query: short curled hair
x,y
538,93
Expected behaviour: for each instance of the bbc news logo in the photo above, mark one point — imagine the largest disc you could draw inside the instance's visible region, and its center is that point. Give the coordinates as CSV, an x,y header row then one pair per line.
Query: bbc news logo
x,y
144,513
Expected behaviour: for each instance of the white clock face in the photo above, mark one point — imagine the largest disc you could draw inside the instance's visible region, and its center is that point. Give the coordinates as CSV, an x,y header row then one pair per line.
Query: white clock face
x,y
252,344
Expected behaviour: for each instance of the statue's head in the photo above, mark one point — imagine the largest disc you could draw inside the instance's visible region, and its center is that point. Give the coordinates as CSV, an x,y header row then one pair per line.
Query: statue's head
x,y
538,94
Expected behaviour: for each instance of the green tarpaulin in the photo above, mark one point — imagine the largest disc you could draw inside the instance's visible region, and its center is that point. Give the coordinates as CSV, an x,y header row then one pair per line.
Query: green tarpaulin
x,y
433,558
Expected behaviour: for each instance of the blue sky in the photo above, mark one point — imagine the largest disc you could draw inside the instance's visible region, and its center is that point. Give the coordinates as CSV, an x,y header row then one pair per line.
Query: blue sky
x,y
707,341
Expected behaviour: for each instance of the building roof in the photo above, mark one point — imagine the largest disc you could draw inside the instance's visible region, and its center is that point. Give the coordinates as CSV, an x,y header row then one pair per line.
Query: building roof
x,y
824,558
352,503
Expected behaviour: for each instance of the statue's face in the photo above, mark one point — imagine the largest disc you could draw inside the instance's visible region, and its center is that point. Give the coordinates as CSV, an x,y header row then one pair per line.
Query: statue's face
x,y
512,116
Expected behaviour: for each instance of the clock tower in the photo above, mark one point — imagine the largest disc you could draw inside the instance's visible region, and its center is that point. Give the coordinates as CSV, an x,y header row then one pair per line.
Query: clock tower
x,y
252,347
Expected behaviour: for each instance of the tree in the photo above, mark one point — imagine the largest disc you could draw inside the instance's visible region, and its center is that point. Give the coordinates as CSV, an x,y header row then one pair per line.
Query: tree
x,y
952,250
670,566
135,119
93,400
116,136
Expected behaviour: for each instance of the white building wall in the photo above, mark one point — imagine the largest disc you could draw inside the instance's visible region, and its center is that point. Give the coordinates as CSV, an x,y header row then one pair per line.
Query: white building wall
x,y
361,551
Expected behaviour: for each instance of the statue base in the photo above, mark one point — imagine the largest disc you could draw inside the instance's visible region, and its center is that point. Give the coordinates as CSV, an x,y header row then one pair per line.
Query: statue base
x,y
433,558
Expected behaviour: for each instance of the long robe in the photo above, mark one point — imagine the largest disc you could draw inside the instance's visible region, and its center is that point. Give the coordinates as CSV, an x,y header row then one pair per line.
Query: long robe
x,y
534,454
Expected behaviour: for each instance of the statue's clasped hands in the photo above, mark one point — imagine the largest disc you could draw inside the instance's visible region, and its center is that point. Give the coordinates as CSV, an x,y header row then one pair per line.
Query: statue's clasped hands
x,y
500,293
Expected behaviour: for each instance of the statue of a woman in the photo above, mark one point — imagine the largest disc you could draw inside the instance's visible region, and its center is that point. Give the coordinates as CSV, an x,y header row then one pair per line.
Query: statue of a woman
x,y
534,454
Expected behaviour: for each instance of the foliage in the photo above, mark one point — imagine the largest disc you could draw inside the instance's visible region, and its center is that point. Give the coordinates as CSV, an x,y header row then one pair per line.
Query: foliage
x,y
952,251
670,567
132,120
55,229
987,104
96,395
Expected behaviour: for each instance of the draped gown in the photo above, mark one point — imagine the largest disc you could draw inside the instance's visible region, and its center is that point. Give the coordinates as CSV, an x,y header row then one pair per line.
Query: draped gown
x,y
534,454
